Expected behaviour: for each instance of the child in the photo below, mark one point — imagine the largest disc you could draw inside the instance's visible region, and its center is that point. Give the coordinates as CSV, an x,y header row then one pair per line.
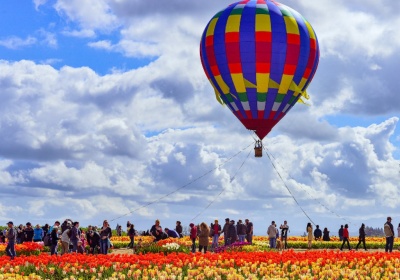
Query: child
x,y
80,248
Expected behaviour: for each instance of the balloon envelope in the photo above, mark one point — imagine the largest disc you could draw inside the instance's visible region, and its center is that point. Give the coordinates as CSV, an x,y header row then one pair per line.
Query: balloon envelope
x,y
260,57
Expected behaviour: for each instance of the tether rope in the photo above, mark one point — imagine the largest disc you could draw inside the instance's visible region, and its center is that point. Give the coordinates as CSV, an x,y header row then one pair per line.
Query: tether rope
x,y
284,183
310,195
223,190
182,187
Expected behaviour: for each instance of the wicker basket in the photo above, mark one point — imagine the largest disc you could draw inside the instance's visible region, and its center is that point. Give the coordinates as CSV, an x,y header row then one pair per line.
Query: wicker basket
x,y
258,151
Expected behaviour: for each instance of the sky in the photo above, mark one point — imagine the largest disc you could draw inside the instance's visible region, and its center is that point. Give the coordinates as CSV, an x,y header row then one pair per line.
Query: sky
x,y
106,113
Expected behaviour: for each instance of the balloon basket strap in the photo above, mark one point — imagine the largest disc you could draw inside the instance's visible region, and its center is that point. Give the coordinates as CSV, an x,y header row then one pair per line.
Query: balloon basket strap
x,y
258,149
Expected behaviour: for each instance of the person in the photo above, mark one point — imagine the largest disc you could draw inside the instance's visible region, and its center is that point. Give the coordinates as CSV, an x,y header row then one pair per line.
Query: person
x,y
75,235
56,224
128,225
80,248
216,231
193,236
284,233
88,237
105,234
171,233
317,233
340,232
232,234
28,232
241,230
54,240
361,237
309,235
131,234
119,230
64,226
38,234
65,240
156,231
45,230
83,239
278,241
325,236
225,230
20,234
249,231
346,237
398,231
2,237
272,235
203,237
178,228
94,242
11,238
389,233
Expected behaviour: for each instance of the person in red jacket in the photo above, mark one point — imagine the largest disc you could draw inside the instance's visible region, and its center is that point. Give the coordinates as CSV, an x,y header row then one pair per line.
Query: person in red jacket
x,y
346,237
193,236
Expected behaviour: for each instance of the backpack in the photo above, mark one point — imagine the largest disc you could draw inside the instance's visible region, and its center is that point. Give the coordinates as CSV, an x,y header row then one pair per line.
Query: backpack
x,y
47,240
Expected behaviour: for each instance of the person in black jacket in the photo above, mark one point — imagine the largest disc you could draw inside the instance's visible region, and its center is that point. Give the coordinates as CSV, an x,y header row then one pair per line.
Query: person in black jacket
x,y
20,234
361,237
28,231
131,234
178,228
341,233
45,230
232,234
317,233
105,235
325,236
54,240
94,242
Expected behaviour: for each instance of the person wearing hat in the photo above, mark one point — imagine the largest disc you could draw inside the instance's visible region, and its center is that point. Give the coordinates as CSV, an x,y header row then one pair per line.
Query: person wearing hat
x,y
389,233
225,230
12,238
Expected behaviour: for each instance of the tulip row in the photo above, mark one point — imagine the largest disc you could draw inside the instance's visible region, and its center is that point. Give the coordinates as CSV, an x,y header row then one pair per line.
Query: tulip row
x,y
260,243
226,265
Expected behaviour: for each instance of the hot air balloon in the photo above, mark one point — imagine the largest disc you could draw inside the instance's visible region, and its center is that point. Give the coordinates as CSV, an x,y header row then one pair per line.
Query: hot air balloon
x,y
259,56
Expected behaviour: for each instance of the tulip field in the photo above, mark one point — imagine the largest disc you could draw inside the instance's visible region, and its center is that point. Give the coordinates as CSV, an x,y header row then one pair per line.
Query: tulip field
x,y
174,261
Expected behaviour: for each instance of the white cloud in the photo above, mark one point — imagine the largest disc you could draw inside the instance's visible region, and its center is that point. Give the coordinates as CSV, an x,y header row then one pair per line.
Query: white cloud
x,y
39,3
90,14
17,43
84,33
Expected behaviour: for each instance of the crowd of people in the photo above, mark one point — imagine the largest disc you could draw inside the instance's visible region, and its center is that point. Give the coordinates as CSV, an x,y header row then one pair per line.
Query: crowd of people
x,y
278,236
68,235
232,233
72,238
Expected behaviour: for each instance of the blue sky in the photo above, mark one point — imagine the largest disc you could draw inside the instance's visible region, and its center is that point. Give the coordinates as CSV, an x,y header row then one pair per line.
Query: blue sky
x,y
43,37
106,109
